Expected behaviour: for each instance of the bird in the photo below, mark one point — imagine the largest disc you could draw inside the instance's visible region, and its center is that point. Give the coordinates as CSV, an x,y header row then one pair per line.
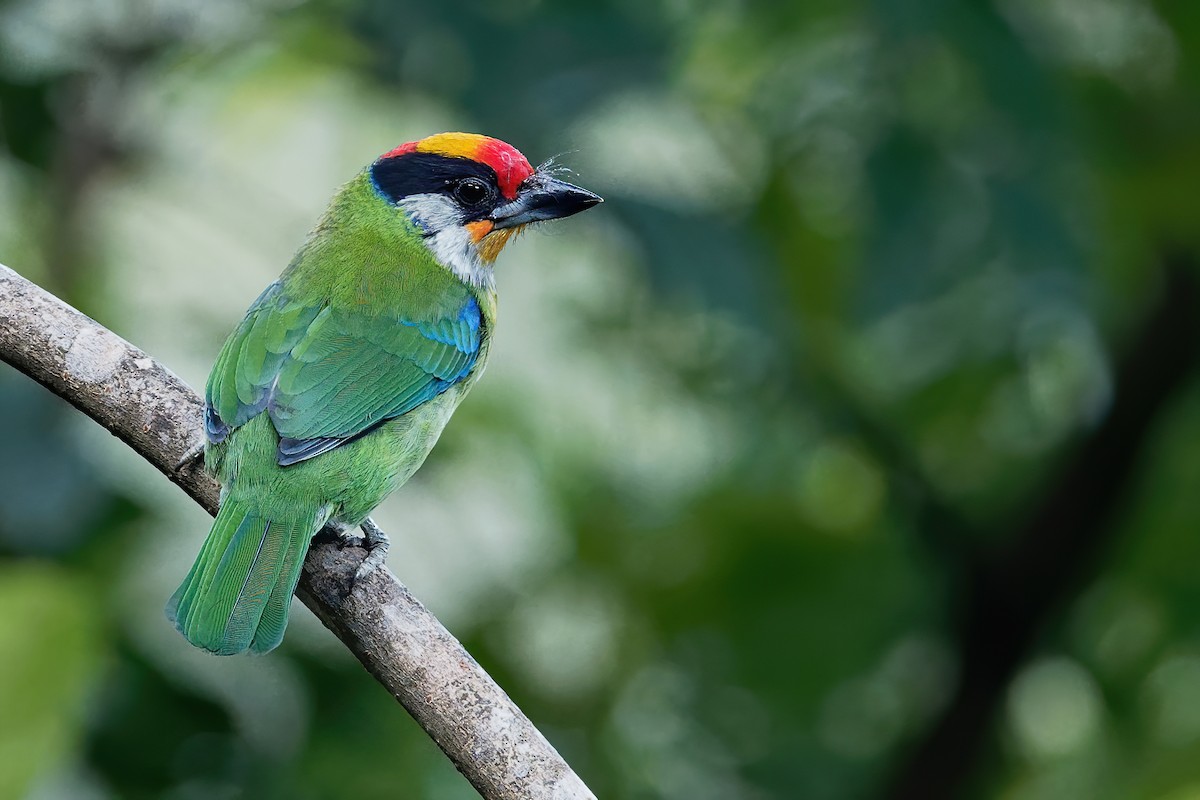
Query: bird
x,y
338,381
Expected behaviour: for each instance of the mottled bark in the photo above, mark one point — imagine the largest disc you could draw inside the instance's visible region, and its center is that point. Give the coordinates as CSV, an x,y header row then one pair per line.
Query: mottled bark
x,y
395,637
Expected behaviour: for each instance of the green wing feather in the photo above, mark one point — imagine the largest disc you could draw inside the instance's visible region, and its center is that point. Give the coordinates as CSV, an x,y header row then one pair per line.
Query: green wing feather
x,y
326,375
241,377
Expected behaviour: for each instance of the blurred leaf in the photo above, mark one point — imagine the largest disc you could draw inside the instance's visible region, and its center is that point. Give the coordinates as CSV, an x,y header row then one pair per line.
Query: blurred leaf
x,y
52,640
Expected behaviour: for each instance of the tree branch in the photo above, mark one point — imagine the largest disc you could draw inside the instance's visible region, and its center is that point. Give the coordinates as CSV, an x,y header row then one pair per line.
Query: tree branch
x,y
395,637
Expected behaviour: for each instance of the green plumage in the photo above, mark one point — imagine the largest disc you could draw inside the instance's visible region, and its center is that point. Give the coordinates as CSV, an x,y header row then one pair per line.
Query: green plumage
x,y
350,366
238,593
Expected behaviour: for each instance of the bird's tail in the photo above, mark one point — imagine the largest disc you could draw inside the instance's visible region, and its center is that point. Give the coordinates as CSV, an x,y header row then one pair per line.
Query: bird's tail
x,y
238,593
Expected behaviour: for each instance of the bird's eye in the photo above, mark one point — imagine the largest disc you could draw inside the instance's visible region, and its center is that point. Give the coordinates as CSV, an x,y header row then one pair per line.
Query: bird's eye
x,y
472,191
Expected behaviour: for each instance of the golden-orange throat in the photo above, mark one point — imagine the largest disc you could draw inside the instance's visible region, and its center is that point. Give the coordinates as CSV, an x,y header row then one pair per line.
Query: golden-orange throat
x,y
489,241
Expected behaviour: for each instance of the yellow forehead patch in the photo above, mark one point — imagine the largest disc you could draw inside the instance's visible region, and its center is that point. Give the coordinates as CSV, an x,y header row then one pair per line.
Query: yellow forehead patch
x,y
506,161
455,145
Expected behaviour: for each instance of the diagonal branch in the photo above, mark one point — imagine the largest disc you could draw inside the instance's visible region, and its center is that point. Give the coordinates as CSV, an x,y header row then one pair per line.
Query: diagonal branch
x,y
395,637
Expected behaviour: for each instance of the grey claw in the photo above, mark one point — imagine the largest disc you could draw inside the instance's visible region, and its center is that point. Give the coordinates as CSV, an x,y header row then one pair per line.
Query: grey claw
x,y
193,452
377,544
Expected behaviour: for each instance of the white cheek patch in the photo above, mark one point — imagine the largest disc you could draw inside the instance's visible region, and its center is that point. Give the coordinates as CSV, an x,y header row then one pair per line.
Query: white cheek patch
x,y
432,212
450,242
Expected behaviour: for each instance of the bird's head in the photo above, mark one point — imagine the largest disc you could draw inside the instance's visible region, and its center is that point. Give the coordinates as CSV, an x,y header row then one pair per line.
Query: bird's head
x,y
468,194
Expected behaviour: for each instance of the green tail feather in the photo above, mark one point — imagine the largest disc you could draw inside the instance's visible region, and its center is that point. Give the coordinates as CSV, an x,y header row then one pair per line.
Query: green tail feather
x,y
274,617
237,595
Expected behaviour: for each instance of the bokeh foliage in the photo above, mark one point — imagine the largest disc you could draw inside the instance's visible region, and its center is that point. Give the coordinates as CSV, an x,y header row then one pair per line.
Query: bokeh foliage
x,y
860,289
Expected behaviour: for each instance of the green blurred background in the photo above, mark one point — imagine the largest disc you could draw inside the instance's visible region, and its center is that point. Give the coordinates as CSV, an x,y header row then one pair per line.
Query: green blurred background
x,y
848,451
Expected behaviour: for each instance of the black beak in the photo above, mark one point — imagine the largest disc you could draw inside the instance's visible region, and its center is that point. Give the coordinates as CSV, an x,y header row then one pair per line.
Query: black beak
x,y
542,197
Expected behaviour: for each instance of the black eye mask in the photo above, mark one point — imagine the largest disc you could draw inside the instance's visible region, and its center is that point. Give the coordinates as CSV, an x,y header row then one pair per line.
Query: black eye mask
x,y
429,173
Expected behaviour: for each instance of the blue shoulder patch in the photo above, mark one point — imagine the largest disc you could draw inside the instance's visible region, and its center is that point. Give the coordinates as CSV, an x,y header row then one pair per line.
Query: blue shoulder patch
x,y
471,314
461,333
472,317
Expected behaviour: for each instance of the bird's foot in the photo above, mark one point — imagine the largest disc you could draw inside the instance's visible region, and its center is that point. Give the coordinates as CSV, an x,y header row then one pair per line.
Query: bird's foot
x,y
373,541
194,452
377,543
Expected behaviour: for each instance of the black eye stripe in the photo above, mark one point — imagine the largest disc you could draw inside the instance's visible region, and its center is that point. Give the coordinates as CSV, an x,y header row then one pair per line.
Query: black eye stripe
x,y
425,173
